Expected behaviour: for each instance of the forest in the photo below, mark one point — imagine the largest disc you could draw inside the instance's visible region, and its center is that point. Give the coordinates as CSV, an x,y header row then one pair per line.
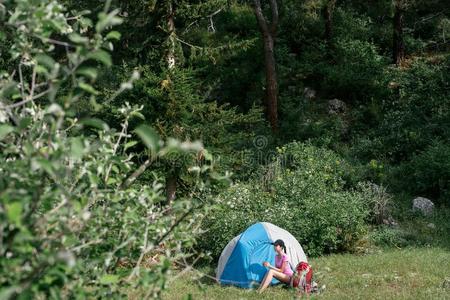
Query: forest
x,y
139,137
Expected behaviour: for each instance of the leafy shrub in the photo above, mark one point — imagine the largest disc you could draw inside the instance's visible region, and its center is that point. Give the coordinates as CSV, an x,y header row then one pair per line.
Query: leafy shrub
x,y
305,120
380,202
237,208
389,237
406,150
70,205
308,198
356,72
366,148
352,25
417,111
327,215
427,173
414,229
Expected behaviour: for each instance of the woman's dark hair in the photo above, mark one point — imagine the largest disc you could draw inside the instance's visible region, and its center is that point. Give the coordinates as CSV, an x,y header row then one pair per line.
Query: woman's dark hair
x,y
281,244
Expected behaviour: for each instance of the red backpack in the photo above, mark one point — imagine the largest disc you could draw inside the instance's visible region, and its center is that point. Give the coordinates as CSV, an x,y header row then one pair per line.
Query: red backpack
x,y
303,277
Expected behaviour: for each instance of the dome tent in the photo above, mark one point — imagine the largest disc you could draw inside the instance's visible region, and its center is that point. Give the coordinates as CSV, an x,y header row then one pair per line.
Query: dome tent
x,y
240,263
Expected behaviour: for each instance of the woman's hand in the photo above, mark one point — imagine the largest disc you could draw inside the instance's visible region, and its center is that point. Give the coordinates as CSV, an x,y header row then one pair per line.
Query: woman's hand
x,y
266,264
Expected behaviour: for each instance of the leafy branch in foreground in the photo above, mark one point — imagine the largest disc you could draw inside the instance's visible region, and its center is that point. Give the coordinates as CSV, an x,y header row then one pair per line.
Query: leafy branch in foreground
x,y
70,207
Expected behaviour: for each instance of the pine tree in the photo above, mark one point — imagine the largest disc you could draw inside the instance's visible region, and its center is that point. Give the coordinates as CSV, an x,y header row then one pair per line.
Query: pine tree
x,y
172,89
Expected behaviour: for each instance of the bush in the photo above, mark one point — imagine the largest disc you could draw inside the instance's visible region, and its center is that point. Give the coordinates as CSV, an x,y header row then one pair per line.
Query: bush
x,y
380,202
239,207
415,230
356,72
391,237
308,198
70,206
427,173
417,111
407,148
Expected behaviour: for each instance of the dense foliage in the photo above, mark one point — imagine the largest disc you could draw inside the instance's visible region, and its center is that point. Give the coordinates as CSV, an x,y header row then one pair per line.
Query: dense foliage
x,y
71,210
305,194
122,124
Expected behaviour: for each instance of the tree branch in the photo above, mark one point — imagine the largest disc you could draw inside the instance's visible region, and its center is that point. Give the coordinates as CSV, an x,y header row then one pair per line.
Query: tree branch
x,y
260,17
274,23
29,99
143,252
136,173
116,146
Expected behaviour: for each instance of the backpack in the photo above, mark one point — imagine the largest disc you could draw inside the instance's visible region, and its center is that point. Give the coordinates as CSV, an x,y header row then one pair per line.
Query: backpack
x,y
302,278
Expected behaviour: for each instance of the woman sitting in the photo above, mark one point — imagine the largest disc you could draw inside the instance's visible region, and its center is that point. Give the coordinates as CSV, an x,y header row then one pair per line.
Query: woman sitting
x,y
282,270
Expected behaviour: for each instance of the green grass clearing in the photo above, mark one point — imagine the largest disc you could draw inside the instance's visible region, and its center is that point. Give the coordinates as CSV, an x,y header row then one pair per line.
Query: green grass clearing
x,y
411,273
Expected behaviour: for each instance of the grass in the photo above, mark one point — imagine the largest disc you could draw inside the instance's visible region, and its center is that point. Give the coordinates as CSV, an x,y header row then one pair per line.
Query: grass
x,y
410,273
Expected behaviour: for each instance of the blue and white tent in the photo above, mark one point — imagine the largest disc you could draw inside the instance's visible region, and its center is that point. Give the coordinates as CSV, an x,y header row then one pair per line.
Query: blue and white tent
x,y
240,263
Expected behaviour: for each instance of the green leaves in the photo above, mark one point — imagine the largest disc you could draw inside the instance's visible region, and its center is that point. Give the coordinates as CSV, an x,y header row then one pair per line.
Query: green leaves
x,y
96,123
70,188
87,88
5,130
76,147
107,20
149,136
14,212
24,123
130,144
101,56
9,90
8,292
88,72
43,164
78,39
45,60
113,35
108,279
137,114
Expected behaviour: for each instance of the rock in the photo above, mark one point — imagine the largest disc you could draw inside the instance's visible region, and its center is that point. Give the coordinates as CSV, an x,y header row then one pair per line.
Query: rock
x,y
431,225
375,187
446,283
423,205
309,93
390,222
336,106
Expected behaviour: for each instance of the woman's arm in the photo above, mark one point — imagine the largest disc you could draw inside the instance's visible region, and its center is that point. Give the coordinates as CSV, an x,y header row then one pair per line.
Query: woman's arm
x,y
284,266
276,269
266,264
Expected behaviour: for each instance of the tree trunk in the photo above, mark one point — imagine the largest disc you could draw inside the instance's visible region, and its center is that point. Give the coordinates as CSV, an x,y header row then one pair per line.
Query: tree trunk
x,y
171,29
171,188
171,178
271,82
398,43
268,31
328,16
